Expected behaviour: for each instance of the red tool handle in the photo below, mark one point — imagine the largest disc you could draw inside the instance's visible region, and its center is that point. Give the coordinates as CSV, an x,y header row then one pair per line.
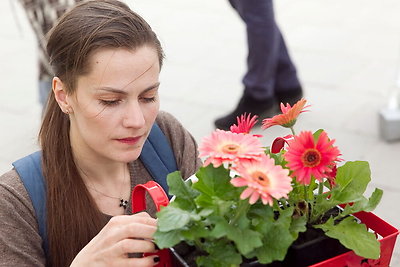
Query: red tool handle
x,y
160,198
156,192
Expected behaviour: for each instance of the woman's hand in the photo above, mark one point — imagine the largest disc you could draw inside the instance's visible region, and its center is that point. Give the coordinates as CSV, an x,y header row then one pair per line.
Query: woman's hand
x,y
122,235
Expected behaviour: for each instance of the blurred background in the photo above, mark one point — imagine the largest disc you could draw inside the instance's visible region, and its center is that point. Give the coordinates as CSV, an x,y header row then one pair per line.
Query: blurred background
x,y
347,53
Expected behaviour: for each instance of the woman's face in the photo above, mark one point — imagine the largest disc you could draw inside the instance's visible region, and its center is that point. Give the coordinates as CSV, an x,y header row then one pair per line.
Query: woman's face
x,y
115,105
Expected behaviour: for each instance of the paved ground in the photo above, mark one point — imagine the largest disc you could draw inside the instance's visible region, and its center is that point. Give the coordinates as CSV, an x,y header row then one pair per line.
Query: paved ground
x,y
347,53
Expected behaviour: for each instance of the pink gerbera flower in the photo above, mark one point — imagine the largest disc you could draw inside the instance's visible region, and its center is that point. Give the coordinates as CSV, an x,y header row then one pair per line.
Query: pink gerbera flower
x,y
224,146
307,157
244,124
288,117
263,179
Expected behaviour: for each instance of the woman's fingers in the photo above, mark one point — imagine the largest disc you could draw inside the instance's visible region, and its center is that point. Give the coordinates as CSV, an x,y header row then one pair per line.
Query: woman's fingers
x,y
143,214
142,217
142,262
129,226
133,230
134,246
122,236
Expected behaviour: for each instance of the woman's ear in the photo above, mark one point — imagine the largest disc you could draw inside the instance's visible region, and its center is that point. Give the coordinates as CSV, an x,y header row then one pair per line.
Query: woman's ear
x,y
61,95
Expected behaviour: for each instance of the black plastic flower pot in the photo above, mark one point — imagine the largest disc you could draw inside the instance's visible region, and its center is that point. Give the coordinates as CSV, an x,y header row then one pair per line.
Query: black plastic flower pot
x,y
311,247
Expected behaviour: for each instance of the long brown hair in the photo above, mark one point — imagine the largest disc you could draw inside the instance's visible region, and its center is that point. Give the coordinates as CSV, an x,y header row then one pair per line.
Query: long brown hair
x,y
72,217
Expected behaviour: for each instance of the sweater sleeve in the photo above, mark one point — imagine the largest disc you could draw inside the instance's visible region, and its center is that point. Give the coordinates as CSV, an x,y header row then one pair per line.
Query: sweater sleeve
x,y
20,242
182,142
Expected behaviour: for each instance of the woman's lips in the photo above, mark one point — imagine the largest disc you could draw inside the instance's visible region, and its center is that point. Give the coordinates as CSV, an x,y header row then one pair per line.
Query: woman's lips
x,y
129,140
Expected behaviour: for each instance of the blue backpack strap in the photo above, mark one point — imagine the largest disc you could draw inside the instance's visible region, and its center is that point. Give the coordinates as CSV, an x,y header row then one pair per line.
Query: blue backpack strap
x,y
29,170
158,157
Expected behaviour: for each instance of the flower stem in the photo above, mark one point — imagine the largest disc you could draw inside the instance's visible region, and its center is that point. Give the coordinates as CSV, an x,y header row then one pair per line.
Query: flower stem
x,y
305,193
292,129
321,188
306,202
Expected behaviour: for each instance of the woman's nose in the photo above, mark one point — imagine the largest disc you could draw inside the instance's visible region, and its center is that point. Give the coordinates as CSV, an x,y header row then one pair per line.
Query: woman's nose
x,y
133,116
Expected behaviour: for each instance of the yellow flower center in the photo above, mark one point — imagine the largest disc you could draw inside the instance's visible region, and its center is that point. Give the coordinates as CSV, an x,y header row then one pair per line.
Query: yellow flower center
x,y
261,178
230,148
311,158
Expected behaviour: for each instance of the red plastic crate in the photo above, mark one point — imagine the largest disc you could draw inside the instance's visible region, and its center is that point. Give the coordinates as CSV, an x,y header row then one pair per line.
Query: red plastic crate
x,y
388,235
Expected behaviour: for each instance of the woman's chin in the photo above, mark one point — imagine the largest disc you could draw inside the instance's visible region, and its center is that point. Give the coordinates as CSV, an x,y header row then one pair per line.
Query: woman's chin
x,y
129,157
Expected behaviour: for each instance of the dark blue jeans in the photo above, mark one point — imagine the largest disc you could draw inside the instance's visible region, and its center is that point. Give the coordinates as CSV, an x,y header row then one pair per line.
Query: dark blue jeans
x,y
270,68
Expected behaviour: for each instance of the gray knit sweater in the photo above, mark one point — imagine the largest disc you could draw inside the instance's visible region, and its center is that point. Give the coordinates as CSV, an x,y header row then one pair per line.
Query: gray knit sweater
x,y
20,243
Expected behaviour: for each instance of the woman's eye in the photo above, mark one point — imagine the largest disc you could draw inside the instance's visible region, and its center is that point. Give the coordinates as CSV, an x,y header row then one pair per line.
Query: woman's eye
x,y
149,99
109,102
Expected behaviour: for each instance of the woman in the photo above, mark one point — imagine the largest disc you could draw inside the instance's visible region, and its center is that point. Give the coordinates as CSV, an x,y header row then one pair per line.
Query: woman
x,y
104,101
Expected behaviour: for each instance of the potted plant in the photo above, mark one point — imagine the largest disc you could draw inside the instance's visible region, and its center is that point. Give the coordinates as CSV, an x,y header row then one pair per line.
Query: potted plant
x,y
253,205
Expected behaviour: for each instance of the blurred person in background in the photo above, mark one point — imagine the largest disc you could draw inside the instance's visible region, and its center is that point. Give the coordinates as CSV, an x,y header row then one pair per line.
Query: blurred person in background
x,y
42,15
271,76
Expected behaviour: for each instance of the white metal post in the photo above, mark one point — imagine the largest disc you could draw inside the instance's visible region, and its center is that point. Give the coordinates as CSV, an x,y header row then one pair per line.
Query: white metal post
x,y
389,117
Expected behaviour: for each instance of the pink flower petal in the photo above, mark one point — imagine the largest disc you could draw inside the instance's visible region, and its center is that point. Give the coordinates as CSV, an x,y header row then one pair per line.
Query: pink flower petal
x,y
246,193
239,182
254,197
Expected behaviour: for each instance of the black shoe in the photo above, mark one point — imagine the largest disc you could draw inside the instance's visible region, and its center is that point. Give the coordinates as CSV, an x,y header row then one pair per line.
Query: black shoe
x,y
247,104
289,96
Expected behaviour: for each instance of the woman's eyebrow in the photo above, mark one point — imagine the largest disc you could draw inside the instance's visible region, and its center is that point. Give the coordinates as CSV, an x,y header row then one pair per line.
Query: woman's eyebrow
x,y
122,92
154,86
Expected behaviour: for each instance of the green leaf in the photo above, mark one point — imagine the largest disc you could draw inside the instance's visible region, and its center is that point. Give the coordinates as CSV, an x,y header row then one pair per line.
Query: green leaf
x,y
278,239
182,190
171,218
195,232
317,134
214,204
353,236
355,207
246,240
343,197
364,204
221,227
261,215
374,200
353,177
166,239
222,254
297,226
262,219
278,157
311,187
323,204
176,185
205,212
276,244
296,194
214,182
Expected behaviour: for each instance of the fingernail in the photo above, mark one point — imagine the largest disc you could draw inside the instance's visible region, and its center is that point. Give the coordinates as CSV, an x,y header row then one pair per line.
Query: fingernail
x,y
156,259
